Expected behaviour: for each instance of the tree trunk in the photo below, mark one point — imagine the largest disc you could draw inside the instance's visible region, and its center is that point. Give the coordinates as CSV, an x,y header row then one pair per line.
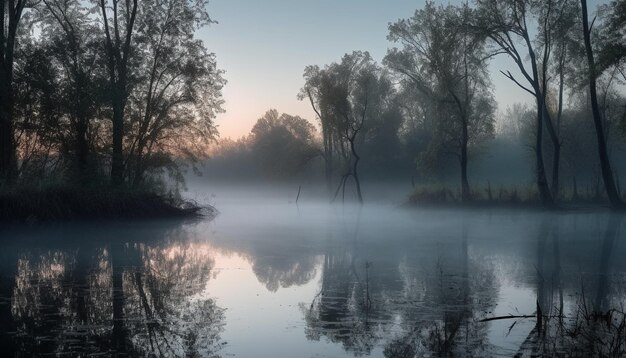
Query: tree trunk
x,y
117,157
82,146
542,183
8,31
605,164
82,120
556,159
328,160
355,173
465,188
556,149
8,163
557,144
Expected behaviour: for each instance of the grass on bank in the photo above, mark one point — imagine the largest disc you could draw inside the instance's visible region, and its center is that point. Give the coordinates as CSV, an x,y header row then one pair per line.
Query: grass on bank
x,y
64,202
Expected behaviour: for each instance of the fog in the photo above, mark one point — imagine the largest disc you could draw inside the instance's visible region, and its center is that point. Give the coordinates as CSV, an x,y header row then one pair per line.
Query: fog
x,y
320,279
413,213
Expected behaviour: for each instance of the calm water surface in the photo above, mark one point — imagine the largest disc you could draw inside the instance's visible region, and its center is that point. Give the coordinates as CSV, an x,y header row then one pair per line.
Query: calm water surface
x,y
268,278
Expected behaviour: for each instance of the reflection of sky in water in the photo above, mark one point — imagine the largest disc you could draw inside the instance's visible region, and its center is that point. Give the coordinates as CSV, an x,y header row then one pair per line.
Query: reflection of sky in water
x,y
262,323
314,280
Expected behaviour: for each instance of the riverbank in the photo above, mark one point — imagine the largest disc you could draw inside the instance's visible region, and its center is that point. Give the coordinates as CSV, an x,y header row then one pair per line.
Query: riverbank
x,y
64,203
503,198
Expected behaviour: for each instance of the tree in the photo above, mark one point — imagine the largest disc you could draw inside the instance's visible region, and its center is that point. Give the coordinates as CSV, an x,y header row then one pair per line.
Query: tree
x,y
559,36
73,45
347,90
283,144
312,91
605,164
36,115
613,51
505,23
11,13
118,24
447,62
177,90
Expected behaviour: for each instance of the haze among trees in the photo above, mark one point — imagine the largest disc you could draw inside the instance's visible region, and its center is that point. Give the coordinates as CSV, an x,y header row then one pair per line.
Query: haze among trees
x,y
121,94
427,113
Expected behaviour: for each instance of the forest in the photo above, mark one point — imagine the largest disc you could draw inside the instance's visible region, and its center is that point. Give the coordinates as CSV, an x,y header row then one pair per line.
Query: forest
x,y
408,205
103,94
120,97
427,114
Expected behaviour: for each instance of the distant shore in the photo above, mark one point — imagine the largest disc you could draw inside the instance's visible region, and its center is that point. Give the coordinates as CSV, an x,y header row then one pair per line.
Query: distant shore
x,y
511,198
50,204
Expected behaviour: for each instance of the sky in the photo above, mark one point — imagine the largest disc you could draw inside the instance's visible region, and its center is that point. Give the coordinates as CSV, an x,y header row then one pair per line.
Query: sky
x,y
264,46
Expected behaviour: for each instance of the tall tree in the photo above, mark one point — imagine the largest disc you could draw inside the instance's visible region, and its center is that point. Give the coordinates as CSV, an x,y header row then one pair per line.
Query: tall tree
x,y
72,44
506,24
558,34
118,23
11,13
605,164
314,78
347,92
446,60
178,87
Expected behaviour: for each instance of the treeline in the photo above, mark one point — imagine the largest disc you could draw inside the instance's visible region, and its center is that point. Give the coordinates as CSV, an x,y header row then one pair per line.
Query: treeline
x,y
428,110
440,64
282,147
106,91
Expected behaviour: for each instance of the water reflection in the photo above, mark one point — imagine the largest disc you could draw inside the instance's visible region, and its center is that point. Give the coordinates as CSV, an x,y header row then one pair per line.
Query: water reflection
x,y
371,283
138,298
409,301
594,322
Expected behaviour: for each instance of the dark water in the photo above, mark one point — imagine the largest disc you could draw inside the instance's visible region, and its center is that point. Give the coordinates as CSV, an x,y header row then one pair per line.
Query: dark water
x,y
268,278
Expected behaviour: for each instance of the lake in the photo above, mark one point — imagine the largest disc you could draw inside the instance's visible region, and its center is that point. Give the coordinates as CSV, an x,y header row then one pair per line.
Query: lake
x,y
271,278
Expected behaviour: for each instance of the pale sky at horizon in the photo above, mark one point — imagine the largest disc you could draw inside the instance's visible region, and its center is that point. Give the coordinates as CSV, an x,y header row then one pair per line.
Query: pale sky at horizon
x,y
265,45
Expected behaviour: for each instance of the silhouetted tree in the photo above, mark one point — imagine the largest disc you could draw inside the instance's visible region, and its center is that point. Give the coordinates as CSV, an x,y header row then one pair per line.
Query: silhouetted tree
x,y
11,21
312,91
507,25
118,24
73,43
177,92
605,164
283,144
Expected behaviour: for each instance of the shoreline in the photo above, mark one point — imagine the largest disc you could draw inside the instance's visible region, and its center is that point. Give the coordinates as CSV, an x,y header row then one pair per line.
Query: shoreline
x,y
67,204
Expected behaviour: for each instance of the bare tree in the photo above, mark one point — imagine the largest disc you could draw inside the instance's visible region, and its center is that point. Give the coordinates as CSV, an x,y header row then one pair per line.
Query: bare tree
x,y
506,24
605,164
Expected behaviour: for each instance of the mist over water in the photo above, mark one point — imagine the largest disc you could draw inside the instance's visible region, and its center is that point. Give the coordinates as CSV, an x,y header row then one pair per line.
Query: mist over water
x,y
269,277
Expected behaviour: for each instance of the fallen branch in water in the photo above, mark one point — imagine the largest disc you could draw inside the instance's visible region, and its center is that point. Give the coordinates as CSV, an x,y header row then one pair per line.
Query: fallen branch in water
x,y
505,317
511,316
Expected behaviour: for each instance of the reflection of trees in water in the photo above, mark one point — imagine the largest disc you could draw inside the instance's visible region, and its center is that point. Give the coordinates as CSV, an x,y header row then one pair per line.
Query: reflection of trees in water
x,y
427,304
343,310
284,271
443,299
594,324
63,301
162,315
276,263
59,308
